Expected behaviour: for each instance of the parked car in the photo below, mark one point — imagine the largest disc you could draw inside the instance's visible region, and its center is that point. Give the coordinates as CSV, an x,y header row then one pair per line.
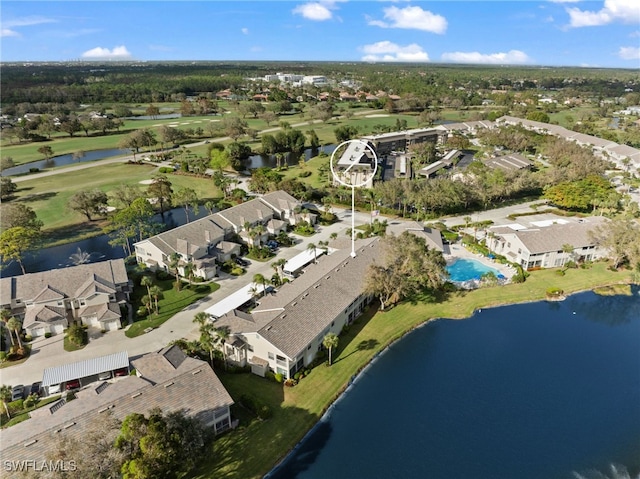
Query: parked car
x,y
55,389
121,372
35,388
242,262
17,392
272,244
104,376
73,384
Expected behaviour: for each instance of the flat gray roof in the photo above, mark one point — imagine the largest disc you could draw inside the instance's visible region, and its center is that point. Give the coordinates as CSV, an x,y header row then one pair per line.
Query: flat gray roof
x,y
82,369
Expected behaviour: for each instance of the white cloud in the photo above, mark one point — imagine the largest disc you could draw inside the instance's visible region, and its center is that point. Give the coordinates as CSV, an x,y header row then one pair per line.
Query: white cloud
x,y
629,53
564,1
624,11
635,34
99,53
245,31
411,17
6,32
510,57
318,11
387,51
8,26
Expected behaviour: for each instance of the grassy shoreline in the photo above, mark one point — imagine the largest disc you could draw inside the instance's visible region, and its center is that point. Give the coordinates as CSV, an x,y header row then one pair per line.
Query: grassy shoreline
x,y
296,410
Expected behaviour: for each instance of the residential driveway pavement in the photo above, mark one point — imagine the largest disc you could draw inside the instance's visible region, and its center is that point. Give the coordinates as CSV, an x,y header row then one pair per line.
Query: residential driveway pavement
x,y
49,352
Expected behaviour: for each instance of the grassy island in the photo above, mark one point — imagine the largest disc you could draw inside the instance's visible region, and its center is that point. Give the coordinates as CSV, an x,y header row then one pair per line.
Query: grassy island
x,y
257,445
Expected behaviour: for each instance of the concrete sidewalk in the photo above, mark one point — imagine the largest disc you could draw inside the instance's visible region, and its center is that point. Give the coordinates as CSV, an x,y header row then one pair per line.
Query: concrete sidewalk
x,y
49,352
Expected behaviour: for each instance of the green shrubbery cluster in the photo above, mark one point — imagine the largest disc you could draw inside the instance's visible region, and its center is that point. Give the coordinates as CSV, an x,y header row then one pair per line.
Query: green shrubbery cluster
x,y
256,406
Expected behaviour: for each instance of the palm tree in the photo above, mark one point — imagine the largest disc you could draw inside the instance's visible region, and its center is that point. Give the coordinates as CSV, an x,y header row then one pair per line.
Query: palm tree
x,y
174,264
201,318
324,246
312,246
260,279
5,397
189,268
222,336
277,267
15,325
155,292
330,341
147,282
333,236
5,316
208,339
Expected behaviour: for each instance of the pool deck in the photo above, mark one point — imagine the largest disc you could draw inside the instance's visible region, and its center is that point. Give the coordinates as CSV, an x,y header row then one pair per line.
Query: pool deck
x,y
456,250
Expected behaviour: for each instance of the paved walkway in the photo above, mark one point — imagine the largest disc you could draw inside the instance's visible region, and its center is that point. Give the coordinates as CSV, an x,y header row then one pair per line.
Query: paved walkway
x,y
49,352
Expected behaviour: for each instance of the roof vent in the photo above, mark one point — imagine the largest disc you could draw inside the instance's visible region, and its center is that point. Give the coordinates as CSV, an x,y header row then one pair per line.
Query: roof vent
x,y
196,372
136,395
168,384
30,443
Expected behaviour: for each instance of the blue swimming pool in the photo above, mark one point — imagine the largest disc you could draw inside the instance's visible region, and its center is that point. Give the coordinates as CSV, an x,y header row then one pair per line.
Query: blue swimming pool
x,y
467,269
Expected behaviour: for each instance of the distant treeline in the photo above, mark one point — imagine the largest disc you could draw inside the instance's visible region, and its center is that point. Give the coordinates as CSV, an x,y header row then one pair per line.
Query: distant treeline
x,y
156,82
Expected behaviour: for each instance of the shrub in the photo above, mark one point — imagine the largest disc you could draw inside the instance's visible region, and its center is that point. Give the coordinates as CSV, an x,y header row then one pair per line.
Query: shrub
x,y
28,338
278,377
297,376
270,376
554,292
290,383
166,169
4,356
305,174
31,400
559,272
47,334
161,275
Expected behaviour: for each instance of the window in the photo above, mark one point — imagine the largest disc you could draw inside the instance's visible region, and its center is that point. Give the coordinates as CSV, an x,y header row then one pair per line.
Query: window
x,y
250,348
271,356
280,358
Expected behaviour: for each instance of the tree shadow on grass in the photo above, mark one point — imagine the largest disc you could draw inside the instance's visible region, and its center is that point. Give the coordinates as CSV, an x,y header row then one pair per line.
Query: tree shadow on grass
x,y
38,197
364,345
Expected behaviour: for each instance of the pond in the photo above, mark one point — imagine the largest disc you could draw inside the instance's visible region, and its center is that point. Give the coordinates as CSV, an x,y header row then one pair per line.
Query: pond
x,y
93,249
542,390
62,160
290,159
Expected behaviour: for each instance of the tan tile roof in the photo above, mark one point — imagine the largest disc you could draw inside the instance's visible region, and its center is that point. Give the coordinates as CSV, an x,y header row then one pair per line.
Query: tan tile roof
x,y
194,388
44,314
67,281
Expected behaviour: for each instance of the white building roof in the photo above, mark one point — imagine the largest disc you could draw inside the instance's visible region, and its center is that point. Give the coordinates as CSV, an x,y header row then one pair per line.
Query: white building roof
x,y
82,369
301,260
235,300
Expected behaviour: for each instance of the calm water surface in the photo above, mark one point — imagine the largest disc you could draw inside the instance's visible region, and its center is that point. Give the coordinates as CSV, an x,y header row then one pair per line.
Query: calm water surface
x,y
532,391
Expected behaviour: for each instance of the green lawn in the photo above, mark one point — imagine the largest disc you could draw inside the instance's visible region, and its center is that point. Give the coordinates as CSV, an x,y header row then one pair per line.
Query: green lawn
x,y
256,446
49,196
24,414
173,302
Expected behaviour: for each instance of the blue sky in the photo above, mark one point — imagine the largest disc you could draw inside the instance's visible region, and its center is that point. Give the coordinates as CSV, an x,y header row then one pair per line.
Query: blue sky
x,y
560,32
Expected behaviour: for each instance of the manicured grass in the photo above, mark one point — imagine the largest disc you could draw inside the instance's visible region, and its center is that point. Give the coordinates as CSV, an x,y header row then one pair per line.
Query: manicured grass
x,y
173,302
316,179
70,346
50,195
297,409
24,415
27,353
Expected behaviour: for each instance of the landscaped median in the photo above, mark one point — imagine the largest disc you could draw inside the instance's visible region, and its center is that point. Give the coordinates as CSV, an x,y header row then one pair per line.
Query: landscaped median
x,y
171,302
256,446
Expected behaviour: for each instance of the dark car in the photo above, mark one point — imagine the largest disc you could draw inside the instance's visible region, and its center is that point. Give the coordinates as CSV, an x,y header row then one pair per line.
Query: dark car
x,y
73,384
17,392
35,388
121,372
242,262
272,245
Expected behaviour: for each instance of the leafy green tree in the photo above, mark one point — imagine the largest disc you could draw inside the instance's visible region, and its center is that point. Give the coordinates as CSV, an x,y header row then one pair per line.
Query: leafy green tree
x,y
220,160
5,397
330,341
187,198
7,188
89,202
46,151
159,445
15,242
409,266
134,221
233,127
160,189
345,132
621,238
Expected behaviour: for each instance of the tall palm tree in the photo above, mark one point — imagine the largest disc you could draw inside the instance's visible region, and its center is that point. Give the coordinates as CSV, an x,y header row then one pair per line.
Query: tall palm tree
x,y
5,397
155,292
201,318
277,265
330,341
310,247
174,264
147,282
5,316
208,339
222,337
260,279
324,246
15,325
189,269
333,236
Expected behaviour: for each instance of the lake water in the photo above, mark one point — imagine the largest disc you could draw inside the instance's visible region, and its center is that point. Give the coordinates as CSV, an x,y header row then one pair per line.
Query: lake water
x,y
63,160
98,247
531,391
290,159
